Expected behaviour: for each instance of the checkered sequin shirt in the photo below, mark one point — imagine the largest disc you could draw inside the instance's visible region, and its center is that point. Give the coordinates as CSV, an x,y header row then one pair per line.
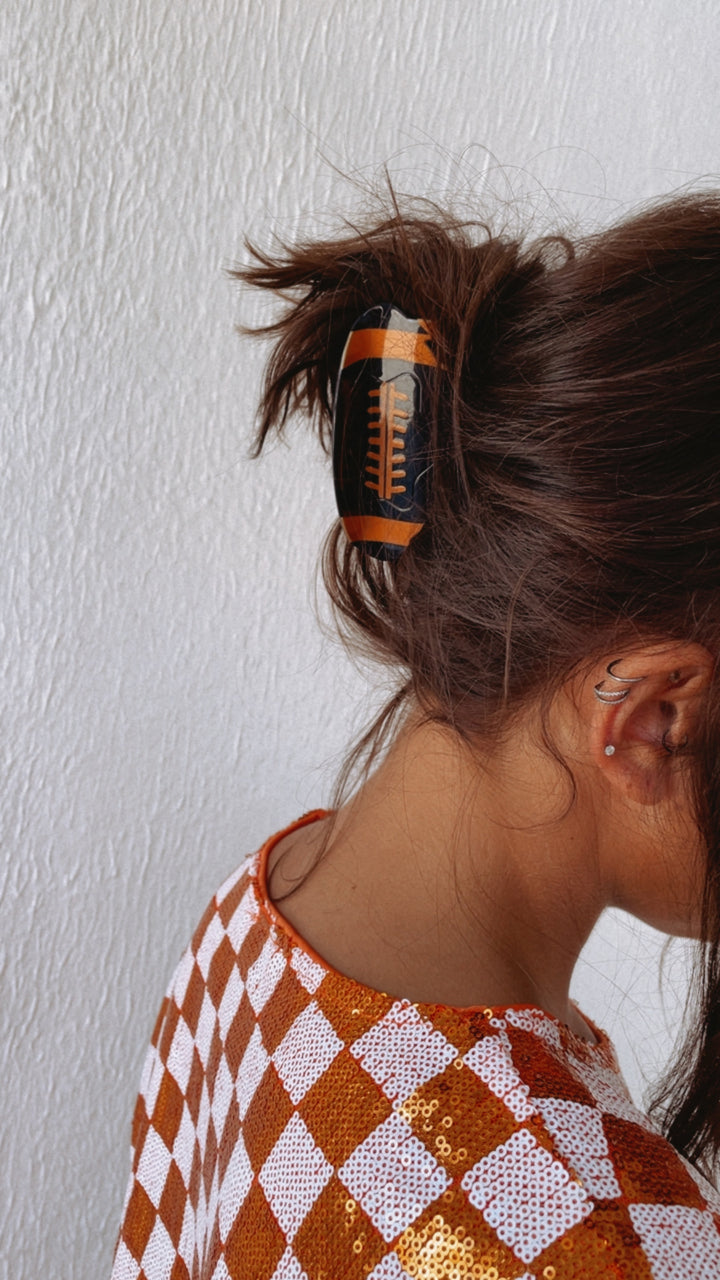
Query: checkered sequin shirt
x,y
295,1125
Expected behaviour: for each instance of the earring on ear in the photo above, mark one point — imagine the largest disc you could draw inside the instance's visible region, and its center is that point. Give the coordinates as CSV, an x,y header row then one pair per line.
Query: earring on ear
x,y
613,696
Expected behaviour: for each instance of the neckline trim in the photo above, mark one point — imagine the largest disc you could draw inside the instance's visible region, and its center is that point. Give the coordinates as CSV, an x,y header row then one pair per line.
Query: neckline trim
x,y
602,1044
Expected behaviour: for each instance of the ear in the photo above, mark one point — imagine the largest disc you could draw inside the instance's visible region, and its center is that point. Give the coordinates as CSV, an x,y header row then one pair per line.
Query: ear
x,y
644,704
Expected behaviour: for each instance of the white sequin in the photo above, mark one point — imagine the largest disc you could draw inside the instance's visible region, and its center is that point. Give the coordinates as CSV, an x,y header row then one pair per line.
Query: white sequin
x,y
236,1184
153,1167
223,1092
182,976
491,1060
393,1176
607,1088
209,944
230,1003
126,1268
679,1241
389,1268
180,1057
252,1070
525,1195
580,1138
264,975
242,920
288,1268
203,1120
186,1245
305,1052
184,1145
293,1176
158,1250
221,1272
153,1072
537,1023
403,1051
309,972
228,885
205,1029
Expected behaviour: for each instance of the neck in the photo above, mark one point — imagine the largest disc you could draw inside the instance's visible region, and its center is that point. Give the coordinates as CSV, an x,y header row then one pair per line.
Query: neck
x,y
455,879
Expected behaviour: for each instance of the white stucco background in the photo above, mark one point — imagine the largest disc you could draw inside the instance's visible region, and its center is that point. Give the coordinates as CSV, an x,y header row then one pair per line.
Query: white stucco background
x,y
168,699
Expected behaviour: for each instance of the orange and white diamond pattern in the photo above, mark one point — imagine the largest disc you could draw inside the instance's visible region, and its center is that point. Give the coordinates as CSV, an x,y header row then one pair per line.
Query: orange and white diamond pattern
x,y
294,1125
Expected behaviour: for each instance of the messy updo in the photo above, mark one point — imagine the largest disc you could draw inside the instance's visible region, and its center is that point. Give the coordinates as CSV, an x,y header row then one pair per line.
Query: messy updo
x,y
575,497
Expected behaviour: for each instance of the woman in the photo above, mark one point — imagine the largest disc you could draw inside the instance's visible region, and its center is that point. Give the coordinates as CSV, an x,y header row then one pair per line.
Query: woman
x,y
368,1063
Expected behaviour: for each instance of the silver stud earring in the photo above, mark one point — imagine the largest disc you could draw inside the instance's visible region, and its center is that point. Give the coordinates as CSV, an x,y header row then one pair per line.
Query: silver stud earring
x,y
609,750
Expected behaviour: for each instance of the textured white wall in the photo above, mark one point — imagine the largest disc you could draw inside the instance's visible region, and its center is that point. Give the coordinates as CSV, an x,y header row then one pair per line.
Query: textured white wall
x,y
168,700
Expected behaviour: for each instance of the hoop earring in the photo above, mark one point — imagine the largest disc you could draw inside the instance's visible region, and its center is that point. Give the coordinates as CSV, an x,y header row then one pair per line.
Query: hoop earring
x,y
623,679
611,697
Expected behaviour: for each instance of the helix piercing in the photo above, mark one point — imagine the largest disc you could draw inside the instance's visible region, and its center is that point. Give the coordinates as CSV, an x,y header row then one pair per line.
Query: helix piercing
x,y
623,679
673,748
612,697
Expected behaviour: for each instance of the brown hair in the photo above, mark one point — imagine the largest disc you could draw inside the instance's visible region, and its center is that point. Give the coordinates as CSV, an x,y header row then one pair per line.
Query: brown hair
x,y
575,499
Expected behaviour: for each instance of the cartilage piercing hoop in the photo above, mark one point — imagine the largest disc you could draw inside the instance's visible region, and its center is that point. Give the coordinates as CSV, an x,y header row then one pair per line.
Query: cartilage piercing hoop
x,y
612,697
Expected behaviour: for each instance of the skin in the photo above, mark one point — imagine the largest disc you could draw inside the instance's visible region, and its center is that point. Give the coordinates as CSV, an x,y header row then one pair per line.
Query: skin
x,y
469,877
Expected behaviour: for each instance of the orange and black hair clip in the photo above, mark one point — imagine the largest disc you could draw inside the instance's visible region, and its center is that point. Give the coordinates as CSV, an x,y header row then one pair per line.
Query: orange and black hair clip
x,y
381,430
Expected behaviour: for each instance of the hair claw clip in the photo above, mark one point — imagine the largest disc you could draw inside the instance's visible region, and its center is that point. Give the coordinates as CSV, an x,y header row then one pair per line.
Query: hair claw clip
x,y
381,430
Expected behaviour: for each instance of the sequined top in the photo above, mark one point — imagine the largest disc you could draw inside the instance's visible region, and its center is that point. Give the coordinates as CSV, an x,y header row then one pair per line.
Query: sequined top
x,y
295,1125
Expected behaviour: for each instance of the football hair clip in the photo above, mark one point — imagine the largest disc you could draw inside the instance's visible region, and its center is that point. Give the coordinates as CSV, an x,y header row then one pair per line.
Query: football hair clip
x,y
381,430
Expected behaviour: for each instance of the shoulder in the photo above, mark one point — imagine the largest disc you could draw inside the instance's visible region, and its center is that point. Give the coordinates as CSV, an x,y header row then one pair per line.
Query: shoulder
x,y
232,965
238,919
221,930
184,1022
322,1110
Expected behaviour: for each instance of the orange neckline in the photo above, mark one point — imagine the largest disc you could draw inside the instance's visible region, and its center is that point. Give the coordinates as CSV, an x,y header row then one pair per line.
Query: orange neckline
x,y
276,918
